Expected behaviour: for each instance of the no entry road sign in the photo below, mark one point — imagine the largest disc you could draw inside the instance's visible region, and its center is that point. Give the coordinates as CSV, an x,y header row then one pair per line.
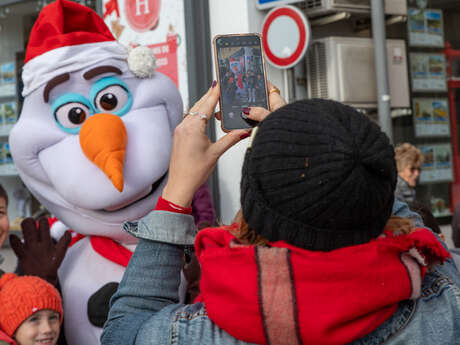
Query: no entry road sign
x,y
286,34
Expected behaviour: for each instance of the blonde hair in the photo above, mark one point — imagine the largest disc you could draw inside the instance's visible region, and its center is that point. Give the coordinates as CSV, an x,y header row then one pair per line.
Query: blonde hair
x,y
247,235
407,155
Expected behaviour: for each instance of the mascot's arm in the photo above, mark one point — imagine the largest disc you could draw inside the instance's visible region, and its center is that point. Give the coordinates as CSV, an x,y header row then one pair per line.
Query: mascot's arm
x,y
38,255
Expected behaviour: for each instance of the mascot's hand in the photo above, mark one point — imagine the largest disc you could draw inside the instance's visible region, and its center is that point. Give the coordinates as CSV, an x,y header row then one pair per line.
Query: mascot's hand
x,y
39,255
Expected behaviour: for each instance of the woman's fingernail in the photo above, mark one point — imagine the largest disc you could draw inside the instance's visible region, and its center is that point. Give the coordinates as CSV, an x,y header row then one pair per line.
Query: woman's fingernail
x,y
244,135
214,83
246,110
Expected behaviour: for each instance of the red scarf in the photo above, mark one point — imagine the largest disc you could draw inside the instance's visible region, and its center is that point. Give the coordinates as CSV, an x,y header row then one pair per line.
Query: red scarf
x,y
285,295
104,246
112,250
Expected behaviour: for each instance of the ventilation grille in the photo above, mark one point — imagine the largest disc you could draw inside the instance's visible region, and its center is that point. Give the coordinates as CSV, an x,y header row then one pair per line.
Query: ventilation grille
x,y
317,68
313,3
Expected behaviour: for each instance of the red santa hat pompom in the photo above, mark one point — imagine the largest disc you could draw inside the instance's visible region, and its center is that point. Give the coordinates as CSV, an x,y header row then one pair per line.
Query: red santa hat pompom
x,y
68,37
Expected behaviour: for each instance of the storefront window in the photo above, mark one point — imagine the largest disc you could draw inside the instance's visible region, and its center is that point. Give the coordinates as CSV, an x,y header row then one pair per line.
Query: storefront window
x,y
423,69
16,20
434,65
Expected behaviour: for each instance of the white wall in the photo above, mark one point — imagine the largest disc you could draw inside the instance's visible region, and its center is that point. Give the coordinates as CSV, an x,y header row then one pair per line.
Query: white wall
x,y
236,16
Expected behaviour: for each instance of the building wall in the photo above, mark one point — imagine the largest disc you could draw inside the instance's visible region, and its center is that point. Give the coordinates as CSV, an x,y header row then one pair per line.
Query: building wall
x,y
226,17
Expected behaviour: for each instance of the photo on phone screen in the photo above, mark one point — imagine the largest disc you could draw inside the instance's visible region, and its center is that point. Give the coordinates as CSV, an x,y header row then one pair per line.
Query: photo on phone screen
x,y
241,75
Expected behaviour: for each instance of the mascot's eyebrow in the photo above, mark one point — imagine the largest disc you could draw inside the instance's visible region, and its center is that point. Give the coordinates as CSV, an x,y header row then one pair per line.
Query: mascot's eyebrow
x,y
53,83
101,70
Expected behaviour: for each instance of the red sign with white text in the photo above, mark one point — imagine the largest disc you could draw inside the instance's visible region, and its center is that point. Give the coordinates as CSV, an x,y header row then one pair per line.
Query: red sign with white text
x,y
142,15
166,55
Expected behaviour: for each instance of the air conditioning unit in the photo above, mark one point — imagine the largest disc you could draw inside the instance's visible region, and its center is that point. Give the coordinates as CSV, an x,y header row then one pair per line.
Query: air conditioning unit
x,y
343,69
315,8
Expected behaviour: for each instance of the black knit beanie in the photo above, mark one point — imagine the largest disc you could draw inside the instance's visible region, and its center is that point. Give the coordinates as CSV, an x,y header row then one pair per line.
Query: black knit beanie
x,y
319,175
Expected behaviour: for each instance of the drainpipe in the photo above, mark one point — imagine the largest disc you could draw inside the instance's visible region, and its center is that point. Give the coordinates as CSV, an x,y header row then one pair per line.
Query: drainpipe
x,y
381,69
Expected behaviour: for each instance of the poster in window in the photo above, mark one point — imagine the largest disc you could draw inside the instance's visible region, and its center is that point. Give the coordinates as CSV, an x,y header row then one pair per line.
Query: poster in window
x,y
10,110
437,164
7,79
426,28
159,25
431,117
428,72
440,206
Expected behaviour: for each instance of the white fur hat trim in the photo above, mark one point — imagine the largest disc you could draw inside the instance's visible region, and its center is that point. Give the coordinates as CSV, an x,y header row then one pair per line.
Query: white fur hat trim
x,y
142,61
68,59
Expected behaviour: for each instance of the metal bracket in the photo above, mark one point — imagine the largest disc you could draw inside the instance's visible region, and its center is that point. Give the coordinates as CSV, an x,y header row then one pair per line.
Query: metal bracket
x,y
330,19
395,19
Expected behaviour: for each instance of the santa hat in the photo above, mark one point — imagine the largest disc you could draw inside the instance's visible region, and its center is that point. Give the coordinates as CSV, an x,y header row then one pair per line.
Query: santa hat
x,y
68,37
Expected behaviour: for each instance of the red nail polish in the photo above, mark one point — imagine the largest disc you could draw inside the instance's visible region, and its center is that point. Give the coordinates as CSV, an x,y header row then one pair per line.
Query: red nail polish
x,y
214,83
246,110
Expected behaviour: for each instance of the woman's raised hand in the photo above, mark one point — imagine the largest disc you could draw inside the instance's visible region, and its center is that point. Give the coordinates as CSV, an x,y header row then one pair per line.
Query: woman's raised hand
x,y
194,156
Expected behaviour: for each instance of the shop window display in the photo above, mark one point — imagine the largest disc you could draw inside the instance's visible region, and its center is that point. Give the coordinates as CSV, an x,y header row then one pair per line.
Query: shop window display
x,y
432,125
16,20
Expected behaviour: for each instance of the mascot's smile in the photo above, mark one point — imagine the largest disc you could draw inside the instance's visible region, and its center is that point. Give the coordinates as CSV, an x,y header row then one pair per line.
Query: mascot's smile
x,y
153,188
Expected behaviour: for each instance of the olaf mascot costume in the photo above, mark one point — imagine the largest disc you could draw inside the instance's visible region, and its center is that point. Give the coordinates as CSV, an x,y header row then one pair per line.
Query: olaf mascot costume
x,y
93,144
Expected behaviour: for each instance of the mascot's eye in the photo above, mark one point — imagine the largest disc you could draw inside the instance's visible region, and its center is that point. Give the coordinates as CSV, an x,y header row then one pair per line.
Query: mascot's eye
x,y
72,115
113,98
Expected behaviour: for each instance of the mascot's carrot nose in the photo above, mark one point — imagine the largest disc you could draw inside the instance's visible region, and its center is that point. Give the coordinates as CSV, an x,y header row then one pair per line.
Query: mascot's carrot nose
x,y
103,140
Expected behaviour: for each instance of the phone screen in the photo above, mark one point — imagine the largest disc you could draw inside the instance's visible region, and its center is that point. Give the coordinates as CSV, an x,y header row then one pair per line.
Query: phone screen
x,y
241,77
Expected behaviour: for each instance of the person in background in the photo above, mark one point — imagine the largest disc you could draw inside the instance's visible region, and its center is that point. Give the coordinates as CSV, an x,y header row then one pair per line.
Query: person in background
x,y
408,161
4,221
203,208
31,311
252,86
310,261
204,216
456,235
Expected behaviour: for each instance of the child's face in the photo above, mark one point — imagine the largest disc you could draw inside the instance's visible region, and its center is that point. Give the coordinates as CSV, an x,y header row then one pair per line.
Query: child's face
x,y
4,222
41,328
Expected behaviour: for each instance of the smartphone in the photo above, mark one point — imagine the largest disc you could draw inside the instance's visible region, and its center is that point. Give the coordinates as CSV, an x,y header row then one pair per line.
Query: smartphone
x,y
240,70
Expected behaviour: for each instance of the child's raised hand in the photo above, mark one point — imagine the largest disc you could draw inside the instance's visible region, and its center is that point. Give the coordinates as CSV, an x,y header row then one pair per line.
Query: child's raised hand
x,y
38,255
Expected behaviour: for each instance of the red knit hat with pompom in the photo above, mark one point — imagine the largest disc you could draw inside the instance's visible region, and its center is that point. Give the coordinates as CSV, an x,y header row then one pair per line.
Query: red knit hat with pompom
x,y
23,296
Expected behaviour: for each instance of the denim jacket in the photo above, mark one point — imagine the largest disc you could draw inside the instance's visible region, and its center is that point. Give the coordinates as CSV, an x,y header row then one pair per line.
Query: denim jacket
x,y
145,309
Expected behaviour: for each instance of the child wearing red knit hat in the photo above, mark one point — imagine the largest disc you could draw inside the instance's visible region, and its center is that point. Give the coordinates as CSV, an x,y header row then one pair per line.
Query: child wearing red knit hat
x,y
30,311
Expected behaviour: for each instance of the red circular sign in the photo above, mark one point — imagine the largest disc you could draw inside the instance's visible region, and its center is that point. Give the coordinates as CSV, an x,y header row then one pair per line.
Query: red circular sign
x,y
142,15
303,31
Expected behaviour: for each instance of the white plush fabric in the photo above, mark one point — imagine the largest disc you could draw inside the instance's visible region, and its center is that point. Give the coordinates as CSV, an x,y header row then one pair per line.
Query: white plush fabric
x,y
53,167
45,67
